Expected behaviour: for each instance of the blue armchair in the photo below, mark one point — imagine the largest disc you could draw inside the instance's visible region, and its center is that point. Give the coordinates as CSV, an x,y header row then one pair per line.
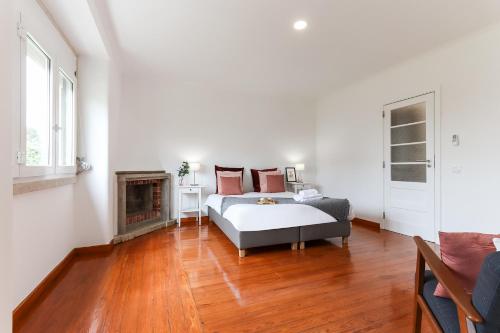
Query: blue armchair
x,y
479,312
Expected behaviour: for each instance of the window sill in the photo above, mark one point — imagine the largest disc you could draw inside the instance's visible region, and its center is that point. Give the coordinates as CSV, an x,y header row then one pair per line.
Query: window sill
x,y
33,184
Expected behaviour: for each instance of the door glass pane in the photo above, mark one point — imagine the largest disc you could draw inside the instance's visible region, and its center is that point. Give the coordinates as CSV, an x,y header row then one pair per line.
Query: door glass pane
x,y
38,122
409,173
408,134
409,153
66,122
408,114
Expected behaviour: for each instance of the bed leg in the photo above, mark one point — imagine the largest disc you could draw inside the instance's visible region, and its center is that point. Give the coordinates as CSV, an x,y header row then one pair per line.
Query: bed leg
x,y
345,240
242,253
302,245
294,246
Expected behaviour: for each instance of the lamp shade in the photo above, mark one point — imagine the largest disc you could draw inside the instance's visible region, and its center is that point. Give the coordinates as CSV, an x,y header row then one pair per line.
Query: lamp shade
x,y
194,166
300,167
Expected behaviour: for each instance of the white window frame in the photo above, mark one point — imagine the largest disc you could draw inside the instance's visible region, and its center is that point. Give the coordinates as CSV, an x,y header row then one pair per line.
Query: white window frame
x,y
24,170
64,169
55,72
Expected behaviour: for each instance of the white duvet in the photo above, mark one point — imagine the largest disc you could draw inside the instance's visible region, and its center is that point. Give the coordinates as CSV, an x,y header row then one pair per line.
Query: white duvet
x,y
253,217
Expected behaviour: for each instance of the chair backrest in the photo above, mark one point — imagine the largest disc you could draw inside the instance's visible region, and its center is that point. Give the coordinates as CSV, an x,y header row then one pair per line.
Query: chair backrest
x,y
486,294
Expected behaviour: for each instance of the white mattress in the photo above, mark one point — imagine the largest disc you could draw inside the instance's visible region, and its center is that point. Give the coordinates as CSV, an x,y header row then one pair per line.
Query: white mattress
x,y
253,217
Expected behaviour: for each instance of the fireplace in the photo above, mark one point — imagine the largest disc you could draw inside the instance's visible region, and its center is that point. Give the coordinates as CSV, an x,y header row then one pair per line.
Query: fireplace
x,y
143,202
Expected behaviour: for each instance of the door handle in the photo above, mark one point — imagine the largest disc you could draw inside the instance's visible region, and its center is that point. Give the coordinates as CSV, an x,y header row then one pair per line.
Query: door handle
x,y
426,161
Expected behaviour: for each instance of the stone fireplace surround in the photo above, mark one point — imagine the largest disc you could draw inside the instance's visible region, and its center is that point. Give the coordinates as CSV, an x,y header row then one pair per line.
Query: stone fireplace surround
x,y
143,203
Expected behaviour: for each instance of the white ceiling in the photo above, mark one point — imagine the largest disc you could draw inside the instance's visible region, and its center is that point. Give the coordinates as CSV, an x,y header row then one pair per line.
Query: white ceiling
x,y
251,46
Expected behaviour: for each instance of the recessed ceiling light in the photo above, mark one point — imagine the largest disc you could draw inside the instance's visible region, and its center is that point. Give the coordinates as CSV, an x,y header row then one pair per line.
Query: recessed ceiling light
x,y
300,25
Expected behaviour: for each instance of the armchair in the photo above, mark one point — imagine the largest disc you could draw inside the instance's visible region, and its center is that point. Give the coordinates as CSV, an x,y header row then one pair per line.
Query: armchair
x,y
462,313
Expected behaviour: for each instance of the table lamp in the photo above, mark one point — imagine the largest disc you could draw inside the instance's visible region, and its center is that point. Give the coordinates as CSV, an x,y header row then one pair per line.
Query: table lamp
x,y
195,167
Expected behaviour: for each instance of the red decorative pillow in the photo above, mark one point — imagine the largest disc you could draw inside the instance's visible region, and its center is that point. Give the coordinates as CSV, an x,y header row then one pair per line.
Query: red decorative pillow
x,y
275,183
255,178
219,168
464,253
235,174
263,179
230,185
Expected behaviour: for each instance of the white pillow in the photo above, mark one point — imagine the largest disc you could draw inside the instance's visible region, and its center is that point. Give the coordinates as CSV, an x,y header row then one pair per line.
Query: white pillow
x,y
496,241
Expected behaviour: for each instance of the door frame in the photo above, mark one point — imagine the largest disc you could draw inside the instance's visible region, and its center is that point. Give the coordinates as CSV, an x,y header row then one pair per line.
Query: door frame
x,y
437,158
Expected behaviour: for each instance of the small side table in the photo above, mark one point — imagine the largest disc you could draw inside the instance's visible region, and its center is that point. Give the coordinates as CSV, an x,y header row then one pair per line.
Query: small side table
x,y
296,187
190,190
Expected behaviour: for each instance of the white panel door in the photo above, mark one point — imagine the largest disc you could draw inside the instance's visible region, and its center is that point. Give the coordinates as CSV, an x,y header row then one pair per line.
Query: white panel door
x,y
409,171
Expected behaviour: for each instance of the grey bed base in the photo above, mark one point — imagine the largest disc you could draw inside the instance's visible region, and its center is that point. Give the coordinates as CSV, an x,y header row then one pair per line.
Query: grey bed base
x,y
247,239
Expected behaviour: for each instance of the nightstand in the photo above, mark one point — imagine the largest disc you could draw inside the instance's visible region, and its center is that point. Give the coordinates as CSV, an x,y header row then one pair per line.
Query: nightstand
x,y
297,187
190,191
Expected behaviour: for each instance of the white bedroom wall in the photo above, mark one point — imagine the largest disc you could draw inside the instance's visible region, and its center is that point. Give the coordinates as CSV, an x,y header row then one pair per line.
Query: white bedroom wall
x,y
43,222
162,124
44,233
115,104
349,131
98,96
47,225
91,190
7,39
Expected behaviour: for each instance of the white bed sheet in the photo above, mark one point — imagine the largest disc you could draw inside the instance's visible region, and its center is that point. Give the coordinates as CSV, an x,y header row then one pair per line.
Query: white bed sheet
x,y
252,217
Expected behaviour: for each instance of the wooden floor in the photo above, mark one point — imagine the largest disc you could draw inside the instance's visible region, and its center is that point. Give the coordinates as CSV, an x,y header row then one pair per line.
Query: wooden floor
x,y
192,280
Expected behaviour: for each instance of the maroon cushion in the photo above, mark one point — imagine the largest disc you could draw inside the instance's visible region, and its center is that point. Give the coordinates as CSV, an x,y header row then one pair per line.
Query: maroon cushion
x,y
219,168
255,178
275,183
230,185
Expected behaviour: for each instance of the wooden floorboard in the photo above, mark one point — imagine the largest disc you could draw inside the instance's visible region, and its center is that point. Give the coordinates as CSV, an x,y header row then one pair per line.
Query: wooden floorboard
x,y
192,280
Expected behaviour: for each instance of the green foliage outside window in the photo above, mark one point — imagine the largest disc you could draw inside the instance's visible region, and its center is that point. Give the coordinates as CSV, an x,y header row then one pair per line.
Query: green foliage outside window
x,y
33,147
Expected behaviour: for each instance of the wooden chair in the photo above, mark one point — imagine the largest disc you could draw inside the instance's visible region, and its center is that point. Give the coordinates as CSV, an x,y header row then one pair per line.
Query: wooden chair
x,y
462,313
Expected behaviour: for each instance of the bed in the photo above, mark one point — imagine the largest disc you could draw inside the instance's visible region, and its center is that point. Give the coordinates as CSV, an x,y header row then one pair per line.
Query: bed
x,y
249,225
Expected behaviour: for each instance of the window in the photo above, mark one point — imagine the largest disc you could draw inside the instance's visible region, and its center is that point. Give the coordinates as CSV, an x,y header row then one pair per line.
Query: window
x,y
66,126
48,120
38,122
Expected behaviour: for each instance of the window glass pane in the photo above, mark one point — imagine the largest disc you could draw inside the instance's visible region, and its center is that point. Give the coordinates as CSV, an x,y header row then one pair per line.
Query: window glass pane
x,y
38,131
66,122
408,134
415,173
408,114
409,153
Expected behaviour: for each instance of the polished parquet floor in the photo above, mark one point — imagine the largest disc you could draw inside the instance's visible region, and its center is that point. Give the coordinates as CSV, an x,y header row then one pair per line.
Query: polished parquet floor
x,y
192,280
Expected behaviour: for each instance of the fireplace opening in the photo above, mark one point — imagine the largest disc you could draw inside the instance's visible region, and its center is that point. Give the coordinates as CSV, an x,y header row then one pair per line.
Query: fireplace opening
x,y
139,198
143,201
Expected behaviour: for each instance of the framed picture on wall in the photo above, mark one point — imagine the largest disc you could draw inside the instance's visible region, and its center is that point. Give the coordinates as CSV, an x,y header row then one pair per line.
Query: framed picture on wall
x,y
291,174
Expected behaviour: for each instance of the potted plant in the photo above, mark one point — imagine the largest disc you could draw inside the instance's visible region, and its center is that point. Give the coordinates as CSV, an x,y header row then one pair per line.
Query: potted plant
x,y
182,172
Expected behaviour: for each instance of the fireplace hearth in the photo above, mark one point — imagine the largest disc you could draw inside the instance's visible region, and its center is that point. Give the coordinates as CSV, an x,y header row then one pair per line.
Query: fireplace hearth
x,y
143,203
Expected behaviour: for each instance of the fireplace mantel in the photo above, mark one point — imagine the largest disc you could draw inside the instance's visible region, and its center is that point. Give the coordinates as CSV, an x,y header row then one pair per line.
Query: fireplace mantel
x,y
140,172
124,176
